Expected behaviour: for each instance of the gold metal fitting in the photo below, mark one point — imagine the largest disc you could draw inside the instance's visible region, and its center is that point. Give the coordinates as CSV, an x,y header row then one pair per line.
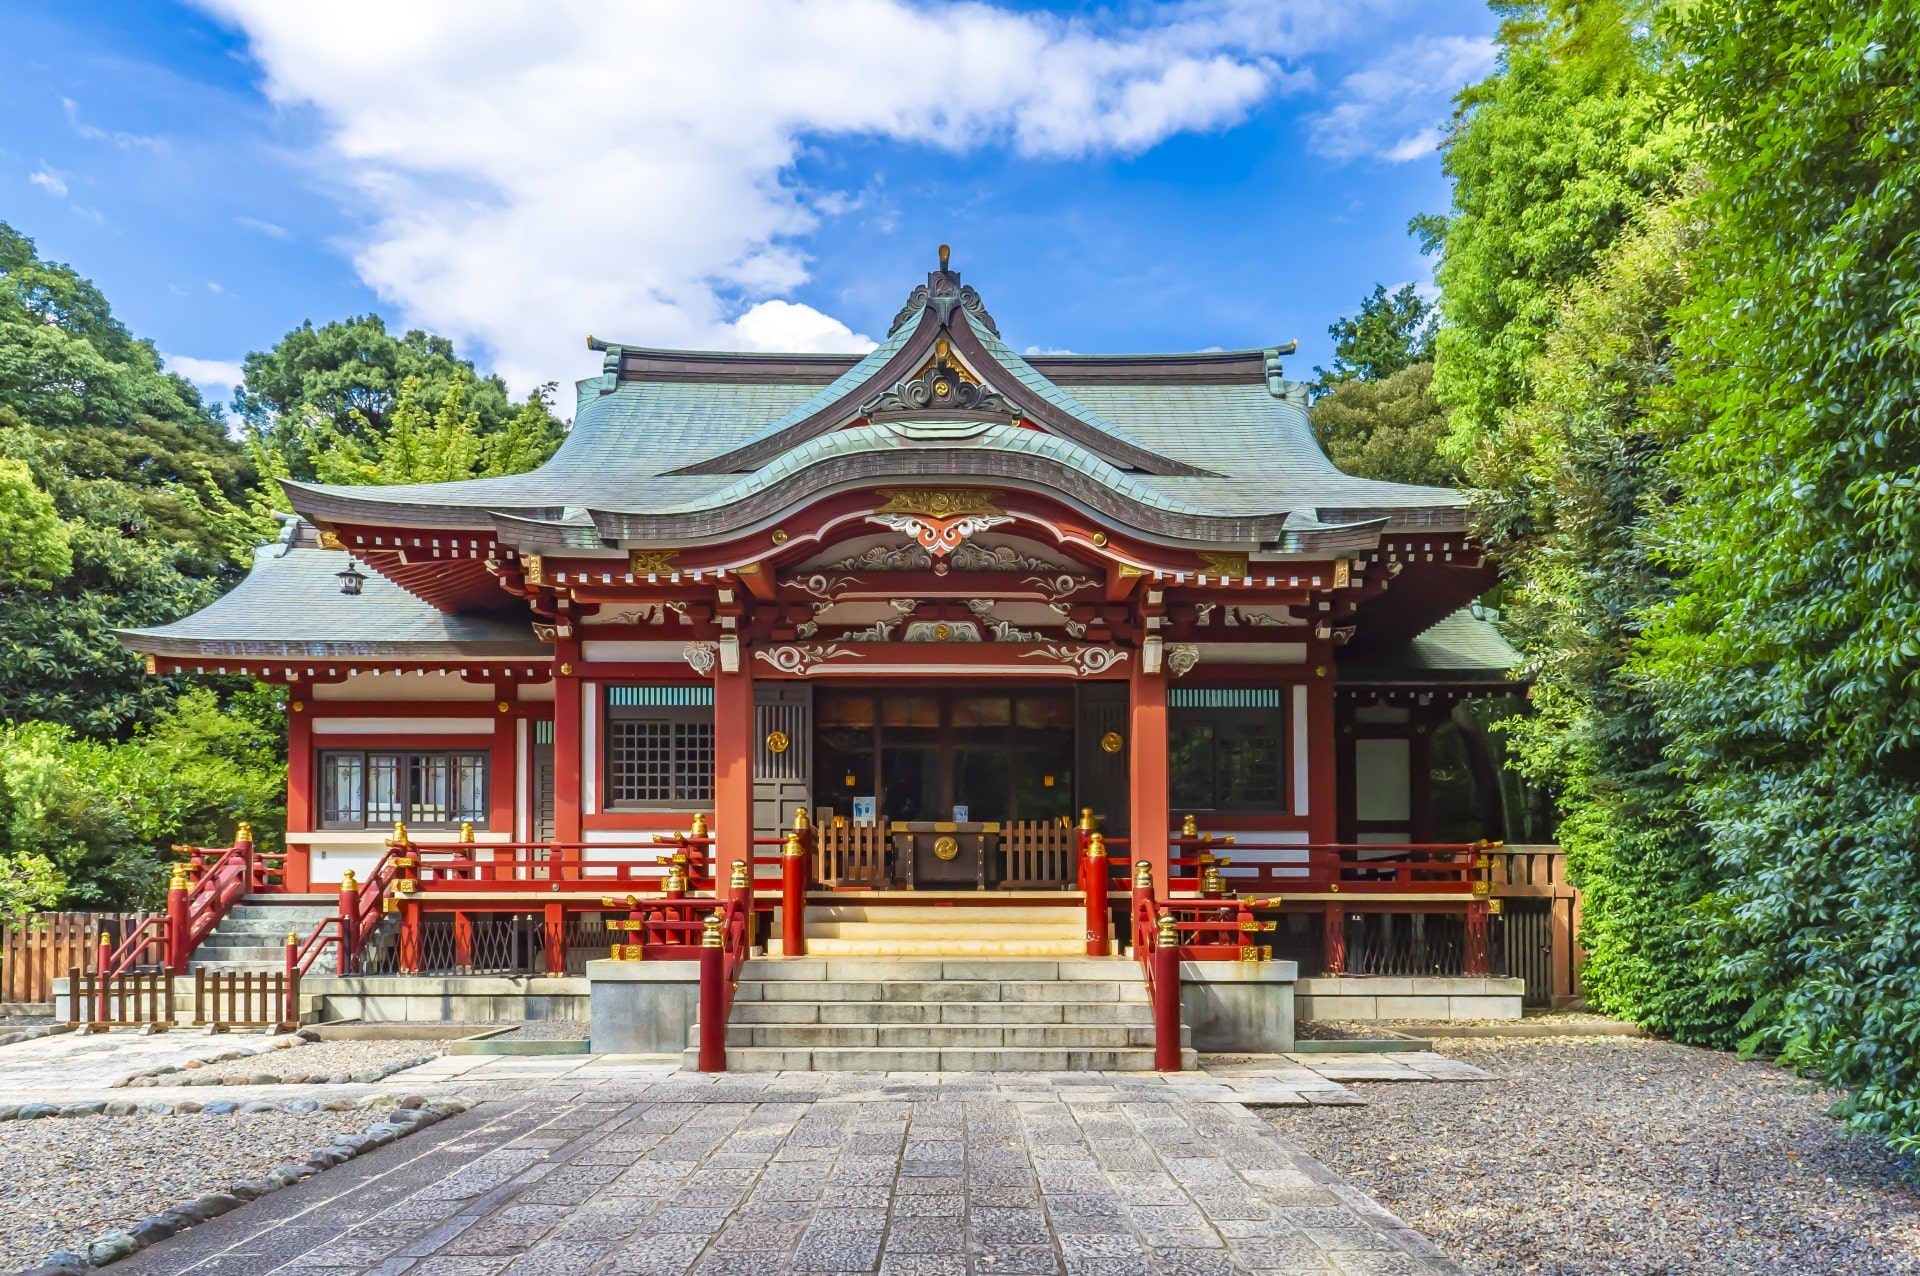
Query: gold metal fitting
x,y
710,932
793,847
1086,819
1188,828
1168,932
1096,847
466,830
179,880
800,820
293,940
1210,880
405,885
400,833
739,878
699,826
388,904
244,833
346,880
1143,875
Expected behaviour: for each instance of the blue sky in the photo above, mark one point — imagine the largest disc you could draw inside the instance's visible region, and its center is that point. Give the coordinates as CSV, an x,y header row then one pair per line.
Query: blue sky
x,y
1151,177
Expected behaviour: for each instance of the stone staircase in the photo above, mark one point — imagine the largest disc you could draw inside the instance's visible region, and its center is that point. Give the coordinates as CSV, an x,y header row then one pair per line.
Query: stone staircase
x,y
813,1014
253,935
932,930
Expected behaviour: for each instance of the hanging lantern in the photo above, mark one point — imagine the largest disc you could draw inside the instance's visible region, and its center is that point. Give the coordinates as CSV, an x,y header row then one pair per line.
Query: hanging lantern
x,y
351,579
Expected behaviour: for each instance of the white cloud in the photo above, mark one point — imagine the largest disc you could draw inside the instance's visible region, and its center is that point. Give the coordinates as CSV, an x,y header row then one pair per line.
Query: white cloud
x,y
49,181
208,374
533,172
1393,110
259,227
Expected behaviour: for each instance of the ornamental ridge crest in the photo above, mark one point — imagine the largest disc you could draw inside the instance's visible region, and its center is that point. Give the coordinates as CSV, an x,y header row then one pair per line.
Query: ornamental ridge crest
x,y
942,385
939,519
944,291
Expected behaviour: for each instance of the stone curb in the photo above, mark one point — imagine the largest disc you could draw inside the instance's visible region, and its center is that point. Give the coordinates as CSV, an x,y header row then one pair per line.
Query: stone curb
x,y
34,1034
411,1113
152,1076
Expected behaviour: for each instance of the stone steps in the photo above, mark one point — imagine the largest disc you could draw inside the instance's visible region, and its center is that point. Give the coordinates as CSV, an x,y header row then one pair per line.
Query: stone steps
x,y
953,1014
934,930
253,934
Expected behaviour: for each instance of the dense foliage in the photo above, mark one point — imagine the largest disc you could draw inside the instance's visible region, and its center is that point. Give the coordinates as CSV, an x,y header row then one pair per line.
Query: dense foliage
x,y
1788,662
352,387
1374,413
1553,157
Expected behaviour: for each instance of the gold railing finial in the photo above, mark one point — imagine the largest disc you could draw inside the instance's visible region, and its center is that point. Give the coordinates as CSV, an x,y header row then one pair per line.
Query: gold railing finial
x,y
244,833
1097,847
1188,828
346,880
699,826
710,936
178,882
1086,819
739,878
400,834
800,821
793,847
1167,932
466,830
1143,875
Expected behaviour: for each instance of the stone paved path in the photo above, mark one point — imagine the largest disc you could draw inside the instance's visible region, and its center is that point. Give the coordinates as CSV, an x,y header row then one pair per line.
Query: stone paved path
x,y
956,1174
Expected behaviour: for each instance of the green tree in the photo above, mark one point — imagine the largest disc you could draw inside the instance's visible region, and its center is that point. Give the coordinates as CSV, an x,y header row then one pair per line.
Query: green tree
x,y
421,447
346,379
1551,157
1570,474
35,546
1389,429
148,488
1391,332
1787,663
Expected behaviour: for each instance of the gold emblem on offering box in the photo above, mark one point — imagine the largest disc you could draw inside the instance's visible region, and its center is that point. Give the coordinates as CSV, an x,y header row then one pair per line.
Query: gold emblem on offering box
x,y
777,742
1112,742
946,847
651,562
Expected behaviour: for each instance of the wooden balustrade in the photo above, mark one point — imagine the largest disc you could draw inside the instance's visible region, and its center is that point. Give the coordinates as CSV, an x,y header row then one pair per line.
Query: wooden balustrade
x,y
851,854
1038,855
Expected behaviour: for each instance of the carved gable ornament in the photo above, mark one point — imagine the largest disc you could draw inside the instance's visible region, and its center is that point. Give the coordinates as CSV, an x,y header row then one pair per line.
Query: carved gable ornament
x,y
942,385
939,519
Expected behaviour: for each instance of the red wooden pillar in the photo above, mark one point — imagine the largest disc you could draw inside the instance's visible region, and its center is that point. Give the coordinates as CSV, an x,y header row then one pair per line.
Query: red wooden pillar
x,y
1147,761
463,941
556,938
1095,872
504,763
1322,808
1478,957
300,784
568,776
178,939
1333,946
410,947
733,746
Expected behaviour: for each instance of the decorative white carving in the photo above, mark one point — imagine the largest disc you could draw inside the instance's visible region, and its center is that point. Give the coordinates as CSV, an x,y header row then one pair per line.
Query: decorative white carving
x,y
1075,628
975,557
1082,660
819,584
878,631
941,536
802,658
644,614
1257,619
1054,588
700,656
1203,614
1181,658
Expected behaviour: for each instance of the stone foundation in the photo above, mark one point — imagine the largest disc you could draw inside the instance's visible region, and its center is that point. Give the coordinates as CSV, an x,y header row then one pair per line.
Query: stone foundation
x,y
1386,997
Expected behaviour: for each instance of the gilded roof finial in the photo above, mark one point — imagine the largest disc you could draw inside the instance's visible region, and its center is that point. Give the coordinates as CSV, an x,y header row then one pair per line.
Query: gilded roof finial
x,y
946,255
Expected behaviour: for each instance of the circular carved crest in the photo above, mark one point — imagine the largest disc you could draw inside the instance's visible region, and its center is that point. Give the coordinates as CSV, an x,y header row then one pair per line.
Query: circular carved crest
x,y
945,847
777,742
1112,742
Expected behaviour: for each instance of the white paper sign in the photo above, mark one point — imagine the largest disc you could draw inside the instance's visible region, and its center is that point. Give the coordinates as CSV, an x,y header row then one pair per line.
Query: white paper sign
x,y
863,810
959,815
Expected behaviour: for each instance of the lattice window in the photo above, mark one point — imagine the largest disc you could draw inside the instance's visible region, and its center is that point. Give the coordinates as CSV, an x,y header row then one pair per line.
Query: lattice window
x,y
371,790
640,761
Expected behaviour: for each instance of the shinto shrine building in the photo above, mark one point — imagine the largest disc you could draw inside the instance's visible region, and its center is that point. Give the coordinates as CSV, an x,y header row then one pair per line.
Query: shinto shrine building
x,y
943,598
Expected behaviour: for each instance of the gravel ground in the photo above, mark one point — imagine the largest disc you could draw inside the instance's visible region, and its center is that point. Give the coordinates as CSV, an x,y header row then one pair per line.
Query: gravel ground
x,y
1621,1155
63,1183
318,1058
1347,1030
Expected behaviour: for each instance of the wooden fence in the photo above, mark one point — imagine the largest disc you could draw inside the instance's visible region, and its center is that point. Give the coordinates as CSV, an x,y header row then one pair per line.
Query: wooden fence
x,y
252,999
38,948
95,1004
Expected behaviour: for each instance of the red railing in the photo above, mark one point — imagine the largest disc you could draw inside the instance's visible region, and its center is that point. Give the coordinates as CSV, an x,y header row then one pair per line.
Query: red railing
x,y
199,895
725,941
1439,868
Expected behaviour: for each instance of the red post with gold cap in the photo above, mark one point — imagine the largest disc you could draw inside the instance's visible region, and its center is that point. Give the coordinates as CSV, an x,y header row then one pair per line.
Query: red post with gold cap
x,y
1094,872
1166,995
793,887
177,922
713,1013
349,960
